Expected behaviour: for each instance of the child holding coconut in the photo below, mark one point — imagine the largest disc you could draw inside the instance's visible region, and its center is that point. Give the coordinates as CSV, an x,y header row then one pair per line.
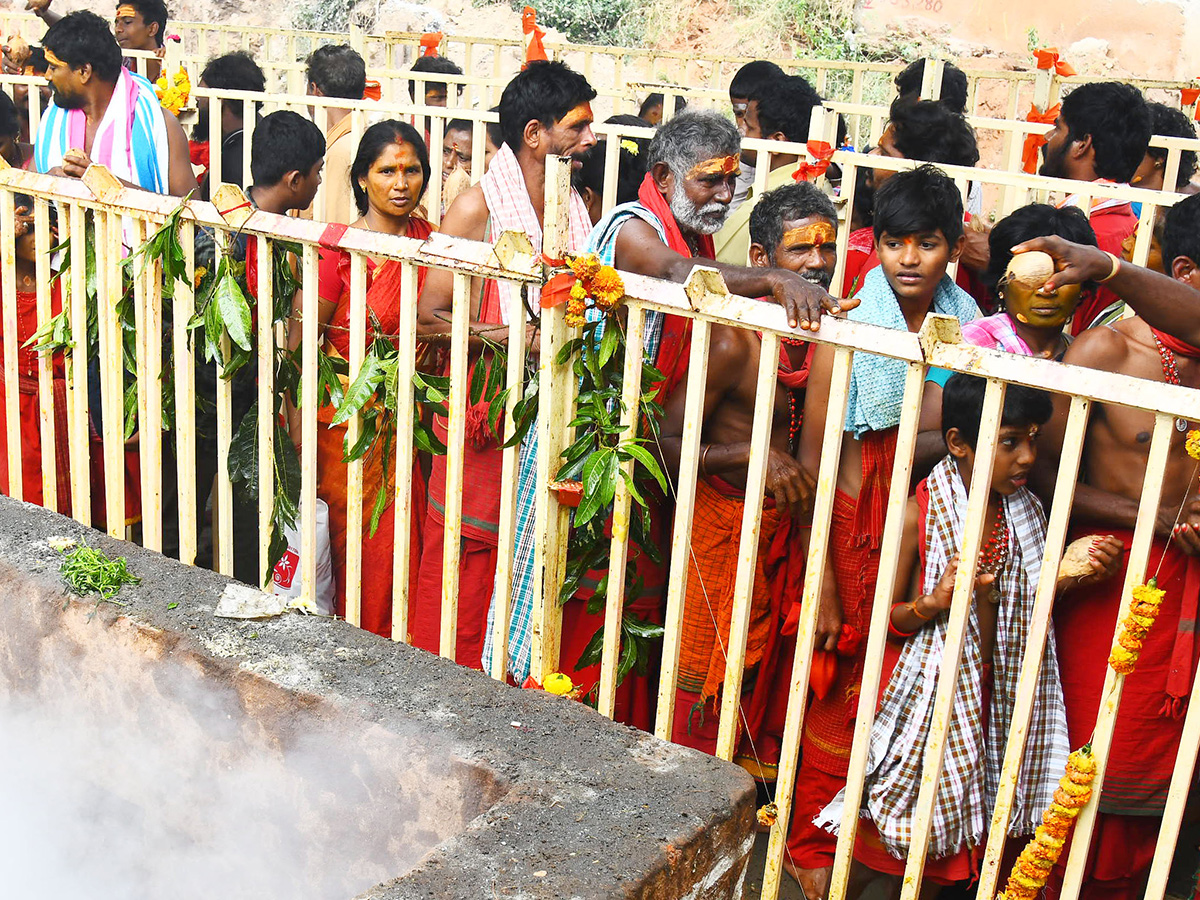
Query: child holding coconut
x,y
998,636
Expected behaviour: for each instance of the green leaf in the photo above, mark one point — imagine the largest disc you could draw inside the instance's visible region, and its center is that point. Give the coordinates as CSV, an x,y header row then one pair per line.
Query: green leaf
x,y
243,453
379,507
593,652
370,430
648,462
496,409
641,627
235,310
130,410
363,388
608,345
478,380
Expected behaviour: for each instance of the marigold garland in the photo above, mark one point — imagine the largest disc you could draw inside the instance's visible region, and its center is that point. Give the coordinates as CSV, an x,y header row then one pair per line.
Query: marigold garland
x,y
595,280
1192,445
1032,868
174,95
1147,600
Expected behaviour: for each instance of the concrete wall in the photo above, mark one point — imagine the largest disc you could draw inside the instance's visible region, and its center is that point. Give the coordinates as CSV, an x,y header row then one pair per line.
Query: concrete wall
x,y
165,752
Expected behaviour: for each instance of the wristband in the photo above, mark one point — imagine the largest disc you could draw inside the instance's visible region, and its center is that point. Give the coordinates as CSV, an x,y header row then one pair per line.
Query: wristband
x,y
916,612
1116,267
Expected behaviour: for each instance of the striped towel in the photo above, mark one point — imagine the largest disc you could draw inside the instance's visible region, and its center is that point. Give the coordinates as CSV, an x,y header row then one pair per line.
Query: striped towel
x,y
130,141
877,382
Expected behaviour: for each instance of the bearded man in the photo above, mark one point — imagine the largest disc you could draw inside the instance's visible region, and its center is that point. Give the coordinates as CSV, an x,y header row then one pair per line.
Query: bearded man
x,y
103,113
544,111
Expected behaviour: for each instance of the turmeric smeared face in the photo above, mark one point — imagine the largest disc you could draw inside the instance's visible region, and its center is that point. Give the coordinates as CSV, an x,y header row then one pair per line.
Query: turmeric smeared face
x,y
393,183
132,31
66,83
700,199
1038,308
572,135
808,248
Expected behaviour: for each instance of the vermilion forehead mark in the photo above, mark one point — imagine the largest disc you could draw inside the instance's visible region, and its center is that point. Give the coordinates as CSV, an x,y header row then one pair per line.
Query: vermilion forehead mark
x,y
815,234
580,115
126,12
718,165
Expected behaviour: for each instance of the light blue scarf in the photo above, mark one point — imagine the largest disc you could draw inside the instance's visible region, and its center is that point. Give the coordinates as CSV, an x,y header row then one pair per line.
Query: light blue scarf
x,y
877,382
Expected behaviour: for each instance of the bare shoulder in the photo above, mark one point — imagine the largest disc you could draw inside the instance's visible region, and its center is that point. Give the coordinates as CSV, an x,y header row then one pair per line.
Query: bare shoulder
x,y
730,351
1105,347
467,216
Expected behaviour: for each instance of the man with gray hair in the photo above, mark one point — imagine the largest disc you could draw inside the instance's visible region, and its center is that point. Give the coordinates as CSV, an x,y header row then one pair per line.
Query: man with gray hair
x,y
693,164
794,228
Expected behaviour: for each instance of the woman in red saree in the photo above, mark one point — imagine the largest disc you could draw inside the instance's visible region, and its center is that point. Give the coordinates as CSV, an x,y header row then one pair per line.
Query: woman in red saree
x,y
388,178
29,401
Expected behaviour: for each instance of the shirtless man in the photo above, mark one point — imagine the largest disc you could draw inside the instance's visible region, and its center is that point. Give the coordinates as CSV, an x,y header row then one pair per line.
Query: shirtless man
x,y
793,227
1115,454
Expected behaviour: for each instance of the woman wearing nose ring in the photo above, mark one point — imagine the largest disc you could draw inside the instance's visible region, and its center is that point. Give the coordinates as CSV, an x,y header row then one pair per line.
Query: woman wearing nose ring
x,y
388,177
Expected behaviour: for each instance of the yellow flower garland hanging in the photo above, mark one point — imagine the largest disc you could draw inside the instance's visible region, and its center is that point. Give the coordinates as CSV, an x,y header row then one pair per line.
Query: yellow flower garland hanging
x,y
174,95
1032,868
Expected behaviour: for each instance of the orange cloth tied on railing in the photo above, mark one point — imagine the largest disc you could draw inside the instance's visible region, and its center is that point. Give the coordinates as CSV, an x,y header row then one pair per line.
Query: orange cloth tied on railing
x,y
1035,142
430,41
821,152
1188,97
1049,58
534,49
372,90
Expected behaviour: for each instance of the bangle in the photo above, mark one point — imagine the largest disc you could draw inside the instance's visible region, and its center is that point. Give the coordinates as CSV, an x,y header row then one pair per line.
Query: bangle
x,y
916,612
1116,267
896,632
704,459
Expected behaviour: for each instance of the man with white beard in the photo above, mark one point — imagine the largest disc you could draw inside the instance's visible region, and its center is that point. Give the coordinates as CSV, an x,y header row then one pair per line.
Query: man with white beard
x,y
692,167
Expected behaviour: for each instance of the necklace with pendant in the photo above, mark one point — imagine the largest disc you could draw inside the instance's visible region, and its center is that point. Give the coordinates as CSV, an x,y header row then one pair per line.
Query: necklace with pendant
x,y
1170,368
995,554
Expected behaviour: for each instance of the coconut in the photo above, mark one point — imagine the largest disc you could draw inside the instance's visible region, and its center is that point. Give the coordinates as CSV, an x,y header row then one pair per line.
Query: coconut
x,y
1032,269
19,50
1077,558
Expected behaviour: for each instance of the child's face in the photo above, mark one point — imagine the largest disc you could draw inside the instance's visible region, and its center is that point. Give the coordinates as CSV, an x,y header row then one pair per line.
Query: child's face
x,y
1038,308
1016,450
915,263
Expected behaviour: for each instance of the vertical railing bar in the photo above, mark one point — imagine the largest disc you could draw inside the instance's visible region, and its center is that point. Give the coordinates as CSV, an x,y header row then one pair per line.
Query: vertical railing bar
x,y
681,539
308,428
814,577
508,489
152,429
49,434
612,158
141,373
956,630
406,368
1039,628
222,520
354,469
752,508
185,400
1106,720
881,608
112,369
81,496
12,368
265,263
456,435
618,553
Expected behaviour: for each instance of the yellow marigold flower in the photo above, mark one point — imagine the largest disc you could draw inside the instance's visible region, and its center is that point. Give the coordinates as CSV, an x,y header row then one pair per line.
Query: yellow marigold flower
x,y
198,277
1149,592
1122,661
1144,610
558,683
578,291
1192,445
1045,839
1073,788
607,281
181,77
768,814
1026,868
1018,892
1023,880
632,147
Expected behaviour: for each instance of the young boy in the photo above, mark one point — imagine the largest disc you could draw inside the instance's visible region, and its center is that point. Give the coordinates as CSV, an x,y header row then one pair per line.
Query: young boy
x,y
918,232
997,636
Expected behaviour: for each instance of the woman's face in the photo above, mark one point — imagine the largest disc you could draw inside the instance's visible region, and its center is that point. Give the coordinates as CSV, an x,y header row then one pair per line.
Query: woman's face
x,y
1038,308
393,183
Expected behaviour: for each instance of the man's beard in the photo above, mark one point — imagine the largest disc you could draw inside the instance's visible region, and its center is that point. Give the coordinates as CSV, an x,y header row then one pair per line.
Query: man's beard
x,y
66,101
822,278
708,219
200,128
1052,166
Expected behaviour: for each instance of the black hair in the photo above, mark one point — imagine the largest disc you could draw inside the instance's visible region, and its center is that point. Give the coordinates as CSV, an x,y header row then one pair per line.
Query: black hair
x,y
864,196
954,85
750,78
10,124
236,71
494,134
374,140
928,131
631,169
1181,232
83,38
786,104
1026,223
153,12
459,125
545,91
437,65
284,142
1170,122
962,406
338,70
657,99
921,199
1117,118
788,203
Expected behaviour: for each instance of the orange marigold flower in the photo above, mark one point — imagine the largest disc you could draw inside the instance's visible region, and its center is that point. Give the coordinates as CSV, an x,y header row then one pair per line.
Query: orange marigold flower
x,y
585,266
1122,661
607,281
1192,444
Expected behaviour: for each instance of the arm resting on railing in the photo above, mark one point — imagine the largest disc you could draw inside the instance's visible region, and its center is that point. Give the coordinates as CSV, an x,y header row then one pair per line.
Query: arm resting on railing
x,y
1167,303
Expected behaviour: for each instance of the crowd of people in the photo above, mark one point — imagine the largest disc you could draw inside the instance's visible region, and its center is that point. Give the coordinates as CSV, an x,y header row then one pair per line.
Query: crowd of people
x,y
686,196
